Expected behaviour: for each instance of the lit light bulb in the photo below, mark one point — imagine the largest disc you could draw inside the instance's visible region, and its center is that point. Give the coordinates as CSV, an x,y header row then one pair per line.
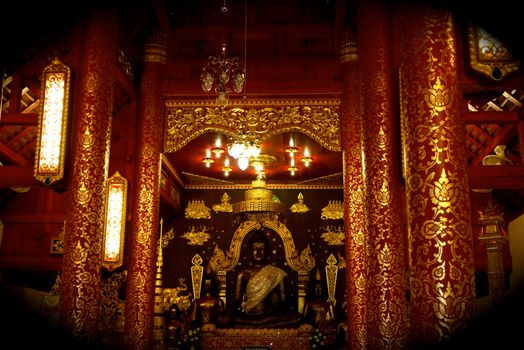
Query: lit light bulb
x,y
208,160
226,168
236,149
306,159
253,150
243,162
291,149
218,150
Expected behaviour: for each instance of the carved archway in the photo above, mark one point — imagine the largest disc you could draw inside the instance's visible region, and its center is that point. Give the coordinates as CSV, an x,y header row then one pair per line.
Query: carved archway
x,y
227,262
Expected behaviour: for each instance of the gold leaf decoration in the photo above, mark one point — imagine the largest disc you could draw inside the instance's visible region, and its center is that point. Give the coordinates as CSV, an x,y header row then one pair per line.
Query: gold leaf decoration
x,y
299,207
333,211
196,209
334,235
196,236
224,205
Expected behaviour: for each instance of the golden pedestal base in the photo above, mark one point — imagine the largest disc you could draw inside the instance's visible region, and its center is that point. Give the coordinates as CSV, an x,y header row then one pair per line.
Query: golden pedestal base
x,y
256,339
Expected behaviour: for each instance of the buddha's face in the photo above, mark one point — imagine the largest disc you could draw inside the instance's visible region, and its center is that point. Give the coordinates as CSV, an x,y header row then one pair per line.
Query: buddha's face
x,y
259,251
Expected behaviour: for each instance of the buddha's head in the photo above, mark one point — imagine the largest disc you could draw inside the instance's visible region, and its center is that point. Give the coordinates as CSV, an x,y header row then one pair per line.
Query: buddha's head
x,y
258,246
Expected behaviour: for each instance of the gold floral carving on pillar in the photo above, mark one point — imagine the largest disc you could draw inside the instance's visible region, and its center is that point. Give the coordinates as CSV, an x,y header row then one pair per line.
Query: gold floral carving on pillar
x,y
319,119
197,271
80,293
489,56
351,114
437,191
386,306
331,278
140,291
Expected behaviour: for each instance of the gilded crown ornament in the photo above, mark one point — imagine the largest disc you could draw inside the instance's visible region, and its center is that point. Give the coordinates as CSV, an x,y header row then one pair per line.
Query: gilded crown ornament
x,y
259,199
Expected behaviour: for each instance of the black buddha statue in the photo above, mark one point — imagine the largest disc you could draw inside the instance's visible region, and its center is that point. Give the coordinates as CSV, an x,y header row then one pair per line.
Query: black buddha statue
x,y
260,299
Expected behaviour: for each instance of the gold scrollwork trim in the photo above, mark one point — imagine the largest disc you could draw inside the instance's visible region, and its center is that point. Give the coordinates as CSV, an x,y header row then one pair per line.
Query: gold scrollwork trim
x,y
223,262
489,56
318,119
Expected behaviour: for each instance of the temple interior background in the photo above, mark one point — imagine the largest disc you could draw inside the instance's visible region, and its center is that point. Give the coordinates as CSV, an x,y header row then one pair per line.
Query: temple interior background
x,y
342,159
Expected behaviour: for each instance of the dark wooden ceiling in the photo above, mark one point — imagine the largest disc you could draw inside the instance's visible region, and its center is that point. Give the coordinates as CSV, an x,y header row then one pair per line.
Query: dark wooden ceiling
x,y
290,50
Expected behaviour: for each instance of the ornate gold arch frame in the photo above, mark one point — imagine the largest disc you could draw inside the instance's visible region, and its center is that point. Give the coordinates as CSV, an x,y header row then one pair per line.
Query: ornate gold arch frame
x,y
316,118
302,263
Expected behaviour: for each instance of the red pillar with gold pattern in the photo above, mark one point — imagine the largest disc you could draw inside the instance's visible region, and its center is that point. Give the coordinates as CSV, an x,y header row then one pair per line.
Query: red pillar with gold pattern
x,y
386,304
80,288
354,192
440,238
140,292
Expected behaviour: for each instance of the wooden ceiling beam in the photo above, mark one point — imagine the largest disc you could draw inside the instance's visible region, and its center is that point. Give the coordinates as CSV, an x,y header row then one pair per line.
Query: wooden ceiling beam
x,y
125,81
491,117
161,16
506,133
17,176
28,119
496,176
9,155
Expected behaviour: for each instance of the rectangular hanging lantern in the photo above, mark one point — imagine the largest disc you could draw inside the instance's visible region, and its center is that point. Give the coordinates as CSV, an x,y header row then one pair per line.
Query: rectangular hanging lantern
x,y
52,123
115,222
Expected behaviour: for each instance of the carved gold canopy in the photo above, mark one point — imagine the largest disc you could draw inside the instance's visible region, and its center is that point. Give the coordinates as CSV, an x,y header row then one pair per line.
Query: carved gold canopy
x,y
316,118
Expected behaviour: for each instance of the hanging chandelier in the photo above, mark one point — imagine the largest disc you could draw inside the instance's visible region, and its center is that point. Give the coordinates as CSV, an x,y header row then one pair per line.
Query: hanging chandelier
x,y
245,148
223,73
